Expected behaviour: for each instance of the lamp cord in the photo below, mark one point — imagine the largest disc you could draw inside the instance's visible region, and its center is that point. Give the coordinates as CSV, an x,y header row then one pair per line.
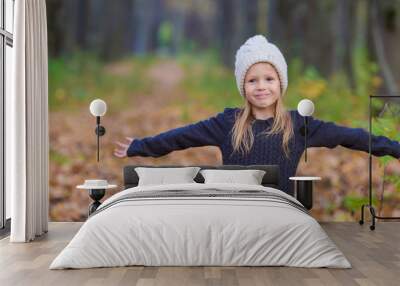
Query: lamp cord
x,y
98,136
98,143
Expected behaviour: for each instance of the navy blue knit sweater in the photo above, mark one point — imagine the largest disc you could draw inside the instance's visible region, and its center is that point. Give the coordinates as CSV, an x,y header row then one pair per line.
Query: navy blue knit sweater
x,y
266,150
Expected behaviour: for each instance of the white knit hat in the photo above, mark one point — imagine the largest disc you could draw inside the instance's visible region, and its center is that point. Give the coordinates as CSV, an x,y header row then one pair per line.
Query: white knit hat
x,y
257,49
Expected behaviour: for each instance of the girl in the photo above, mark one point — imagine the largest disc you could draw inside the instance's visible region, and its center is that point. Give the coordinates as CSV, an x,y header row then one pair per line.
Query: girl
x,y
263,132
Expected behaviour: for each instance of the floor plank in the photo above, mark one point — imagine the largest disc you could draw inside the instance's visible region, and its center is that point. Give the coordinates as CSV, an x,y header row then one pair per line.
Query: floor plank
x,y
374,255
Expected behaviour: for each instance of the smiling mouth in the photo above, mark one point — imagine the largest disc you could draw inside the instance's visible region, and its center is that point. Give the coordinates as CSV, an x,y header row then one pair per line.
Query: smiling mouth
x,y
262,95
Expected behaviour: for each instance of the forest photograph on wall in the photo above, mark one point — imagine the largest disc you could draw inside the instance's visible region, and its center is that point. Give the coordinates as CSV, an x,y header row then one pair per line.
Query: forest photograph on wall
x,y
165,64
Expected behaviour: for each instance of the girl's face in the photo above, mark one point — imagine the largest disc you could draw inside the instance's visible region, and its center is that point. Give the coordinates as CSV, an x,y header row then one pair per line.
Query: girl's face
x,y
262,86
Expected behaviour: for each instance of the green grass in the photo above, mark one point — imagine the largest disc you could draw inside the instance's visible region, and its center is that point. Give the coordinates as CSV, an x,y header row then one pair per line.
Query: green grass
x,y
76,80
208,82
59,158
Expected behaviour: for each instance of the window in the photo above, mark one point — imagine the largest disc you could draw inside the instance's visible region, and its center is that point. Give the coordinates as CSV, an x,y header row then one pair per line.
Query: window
x,y
6,61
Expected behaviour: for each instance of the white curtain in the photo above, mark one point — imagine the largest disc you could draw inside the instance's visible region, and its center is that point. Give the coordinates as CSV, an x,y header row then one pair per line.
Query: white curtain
x,y
27,144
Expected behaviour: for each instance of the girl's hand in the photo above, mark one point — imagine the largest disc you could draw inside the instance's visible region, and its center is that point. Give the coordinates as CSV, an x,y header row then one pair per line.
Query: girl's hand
x,y
122,148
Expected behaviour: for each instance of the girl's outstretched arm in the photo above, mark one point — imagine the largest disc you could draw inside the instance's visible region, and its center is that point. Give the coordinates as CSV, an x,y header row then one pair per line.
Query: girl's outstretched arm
x,y
330,135
211,131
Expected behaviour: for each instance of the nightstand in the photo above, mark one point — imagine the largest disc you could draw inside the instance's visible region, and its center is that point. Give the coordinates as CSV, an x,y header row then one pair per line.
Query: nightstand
x,y
97,190
304,190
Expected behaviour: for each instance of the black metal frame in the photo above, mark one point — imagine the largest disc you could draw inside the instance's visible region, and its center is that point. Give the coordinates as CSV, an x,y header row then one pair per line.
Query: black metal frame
x,y
5,231
369,205
6,38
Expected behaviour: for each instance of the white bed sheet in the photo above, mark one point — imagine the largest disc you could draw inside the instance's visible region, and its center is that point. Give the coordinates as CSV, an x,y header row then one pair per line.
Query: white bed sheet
x,y
200,231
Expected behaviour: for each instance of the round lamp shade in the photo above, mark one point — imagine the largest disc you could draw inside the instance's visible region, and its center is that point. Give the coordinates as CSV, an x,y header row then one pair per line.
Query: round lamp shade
x,y
305,107
98,107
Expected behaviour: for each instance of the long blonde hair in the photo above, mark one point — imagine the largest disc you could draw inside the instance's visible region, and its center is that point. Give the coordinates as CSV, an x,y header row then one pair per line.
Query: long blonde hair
x,y
243,138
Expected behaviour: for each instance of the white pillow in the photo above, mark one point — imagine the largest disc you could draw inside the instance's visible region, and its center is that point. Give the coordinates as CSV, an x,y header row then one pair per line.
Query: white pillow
x,y
249,177
162,176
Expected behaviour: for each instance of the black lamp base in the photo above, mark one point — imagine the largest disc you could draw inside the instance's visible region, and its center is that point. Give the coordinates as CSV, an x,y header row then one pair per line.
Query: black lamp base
x,y
96,195
304,193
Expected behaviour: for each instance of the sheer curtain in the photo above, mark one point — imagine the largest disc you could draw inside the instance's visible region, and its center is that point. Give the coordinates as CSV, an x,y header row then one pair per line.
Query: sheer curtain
x,y
27,139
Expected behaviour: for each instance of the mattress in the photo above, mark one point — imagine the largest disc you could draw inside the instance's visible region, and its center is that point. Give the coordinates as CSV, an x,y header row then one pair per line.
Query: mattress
x,y
201,225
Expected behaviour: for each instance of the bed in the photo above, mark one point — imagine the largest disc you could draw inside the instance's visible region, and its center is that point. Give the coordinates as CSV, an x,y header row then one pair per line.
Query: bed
x,y
201,224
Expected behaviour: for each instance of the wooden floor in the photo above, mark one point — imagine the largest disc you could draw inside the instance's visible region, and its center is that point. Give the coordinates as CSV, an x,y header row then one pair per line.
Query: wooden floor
x,y
374,255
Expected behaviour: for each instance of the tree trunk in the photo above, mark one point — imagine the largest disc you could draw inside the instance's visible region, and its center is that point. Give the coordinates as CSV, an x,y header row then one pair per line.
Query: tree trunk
x,y
143,20
251,18
55,28
341,26
82,23
379,46
69,12
273,21
156,17
178,24
225,16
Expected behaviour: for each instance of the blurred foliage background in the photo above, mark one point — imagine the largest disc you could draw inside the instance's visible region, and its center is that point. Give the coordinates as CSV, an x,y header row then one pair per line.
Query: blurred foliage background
x,y
160,64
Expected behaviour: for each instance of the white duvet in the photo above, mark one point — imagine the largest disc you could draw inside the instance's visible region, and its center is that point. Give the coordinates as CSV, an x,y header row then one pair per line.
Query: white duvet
x,y
219,231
